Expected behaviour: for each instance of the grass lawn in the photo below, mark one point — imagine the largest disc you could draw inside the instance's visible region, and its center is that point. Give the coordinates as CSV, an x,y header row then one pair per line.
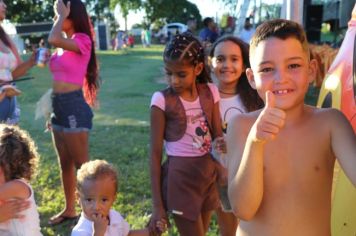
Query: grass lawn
x,y
120,133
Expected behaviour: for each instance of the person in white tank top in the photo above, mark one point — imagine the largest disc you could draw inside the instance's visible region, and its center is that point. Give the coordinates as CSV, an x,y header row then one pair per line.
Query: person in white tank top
x,y
11,68
18,160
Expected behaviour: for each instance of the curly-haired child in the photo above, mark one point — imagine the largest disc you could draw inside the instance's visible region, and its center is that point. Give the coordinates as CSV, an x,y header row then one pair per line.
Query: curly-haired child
x,y
18,161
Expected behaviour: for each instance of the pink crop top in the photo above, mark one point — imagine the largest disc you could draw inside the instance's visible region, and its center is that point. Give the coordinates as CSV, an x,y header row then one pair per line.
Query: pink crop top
x,y
71,67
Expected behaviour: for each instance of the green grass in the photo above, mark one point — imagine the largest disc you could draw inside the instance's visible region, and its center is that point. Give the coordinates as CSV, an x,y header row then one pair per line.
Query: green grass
x,y
120,134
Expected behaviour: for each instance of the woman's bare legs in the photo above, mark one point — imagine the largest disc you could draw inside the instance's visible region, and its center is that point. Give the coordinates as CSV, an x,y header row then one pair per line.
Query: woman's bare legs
x,y
72,151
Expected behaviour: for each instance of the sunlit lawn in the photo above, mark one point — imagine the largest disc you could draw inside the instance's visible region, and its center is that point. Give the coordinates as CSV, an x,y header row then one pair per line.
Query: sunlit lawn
x,y
120,134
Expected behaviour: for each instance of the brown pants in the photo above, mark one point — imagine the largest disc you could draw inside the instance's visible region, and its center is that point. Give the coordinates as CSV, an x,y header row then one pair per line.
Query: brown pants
x,y
190,186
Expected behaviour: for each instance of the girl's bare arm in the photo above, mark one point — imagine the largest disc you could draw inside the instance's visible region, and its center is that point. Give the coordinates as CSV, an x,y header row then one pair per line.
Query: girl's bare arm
x,y
56,37
14,189
156,147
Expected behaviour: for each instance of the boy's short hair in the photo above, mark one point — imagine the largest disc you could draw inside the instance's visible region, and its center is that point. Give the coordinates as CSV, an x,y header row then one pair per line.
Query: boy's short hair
x,y
281,29
18,153
94,170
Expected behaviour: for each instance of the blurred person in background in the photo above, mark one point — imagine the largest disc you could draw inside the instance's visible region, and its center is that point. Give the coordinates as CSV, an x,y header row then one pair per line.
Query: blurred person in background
x,y
11,68
209,33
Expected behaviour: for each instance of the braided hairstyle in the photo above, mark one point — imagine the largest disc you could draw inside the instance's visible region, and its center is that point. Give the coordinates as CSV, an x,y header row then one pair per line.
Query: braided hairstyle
x,y
186,48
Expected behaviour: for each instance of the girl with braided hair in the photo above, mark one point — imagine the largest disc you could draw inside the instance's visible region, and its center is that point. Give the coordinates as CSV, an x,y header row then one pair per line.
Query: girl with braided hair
x,y
185,119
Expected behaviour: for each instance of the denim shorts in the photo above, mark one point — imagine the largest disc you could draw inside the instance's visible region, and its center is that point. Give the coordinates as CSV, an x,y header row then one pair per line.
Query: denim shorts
x,y
71,113
9,109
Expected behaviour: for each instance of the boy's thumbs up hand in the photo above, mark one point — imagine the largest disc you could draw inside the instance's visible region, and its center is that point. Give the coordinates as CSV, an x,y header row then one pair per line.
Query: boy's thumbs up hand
x,y
270,100
269,122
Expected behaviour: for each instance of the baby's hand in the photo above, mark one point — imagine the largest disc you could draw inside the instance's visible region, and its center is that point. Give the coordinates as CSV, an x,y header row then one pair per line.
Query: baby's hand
x,y
100,224
269,122
161,225
220,145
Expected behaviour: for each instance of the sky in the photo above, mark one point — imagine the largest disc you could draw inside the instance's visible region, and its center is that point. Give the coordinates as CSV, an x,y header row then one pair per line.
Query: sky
x,y
206,8
211,8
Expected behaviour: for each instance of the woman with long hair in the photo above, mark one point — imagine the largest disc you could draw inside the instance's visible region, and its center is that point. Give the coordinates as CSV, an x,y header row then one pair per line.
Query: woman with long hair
x,y
75,82
11,67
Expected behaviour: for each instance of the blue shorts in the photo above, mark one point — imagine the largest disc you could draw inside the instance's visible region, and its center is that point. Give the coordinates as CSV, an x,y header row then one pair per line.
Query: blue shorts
x,y
7,108
71,113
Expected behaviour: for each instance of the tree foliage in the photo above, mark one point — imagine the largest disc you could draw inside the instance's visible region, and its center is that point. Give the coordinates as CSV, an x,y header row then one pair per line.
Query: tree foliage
x,y
29,11
126,5
170,11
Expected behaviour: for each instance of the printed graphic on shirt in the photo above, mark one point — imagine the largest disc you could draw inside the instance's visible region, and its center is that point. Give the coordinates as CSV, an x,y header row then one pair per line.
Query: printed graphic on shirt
x,y
198,130
228,114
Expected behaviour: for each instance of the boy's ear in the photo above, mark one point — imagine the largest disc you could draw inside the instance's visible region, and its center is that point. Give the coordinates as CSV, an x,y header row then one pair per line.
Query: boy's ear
x,y
198,68
313,67
251,78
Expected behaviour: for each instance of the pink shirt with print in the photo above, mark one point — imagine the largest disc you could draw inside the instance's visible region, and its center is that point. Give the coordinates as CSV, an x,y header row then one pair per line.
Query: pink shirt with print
x,y
197,138
71,67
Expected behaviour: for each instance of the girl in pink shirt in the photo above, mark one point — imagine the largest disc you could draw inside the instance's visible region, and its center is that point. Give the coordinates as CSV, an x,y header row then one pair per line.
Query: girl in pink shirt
x,y
185,119
75,76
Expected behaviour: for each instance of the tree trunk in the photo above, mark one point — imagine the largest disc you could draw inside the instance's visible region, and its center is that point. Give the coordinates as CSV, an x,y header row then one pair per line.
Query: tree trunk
x,y
242,17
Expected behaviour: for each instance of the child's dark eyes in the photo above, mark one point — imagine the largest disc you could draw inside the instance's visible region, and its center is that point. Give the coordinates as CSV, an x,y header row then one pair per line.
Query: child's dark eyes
x,y
180,74
266,69
219,59
223,59
294,66
88,199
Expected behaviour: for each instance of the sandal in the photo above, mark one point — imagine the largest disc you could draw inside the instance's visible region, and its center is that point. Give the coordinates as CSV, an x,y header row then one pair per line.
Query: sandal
x,y
59,219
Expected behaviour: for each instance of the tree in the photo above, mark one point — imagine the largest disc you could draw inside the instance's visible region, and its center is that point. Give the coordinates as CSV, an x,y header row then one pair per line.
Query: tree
x,y
98,9
125,7
170,11
29,11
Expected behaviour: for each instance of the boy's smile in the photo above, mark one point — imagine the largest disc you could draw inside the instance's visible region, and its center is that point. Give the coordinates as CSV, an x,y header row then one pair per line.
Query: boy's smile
x,y
282,67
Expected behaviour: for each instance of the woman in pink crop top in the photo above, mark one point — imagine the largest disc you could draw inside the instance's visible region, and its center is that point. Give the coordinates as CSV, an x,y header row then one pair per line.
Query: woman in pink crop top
x,y
75,82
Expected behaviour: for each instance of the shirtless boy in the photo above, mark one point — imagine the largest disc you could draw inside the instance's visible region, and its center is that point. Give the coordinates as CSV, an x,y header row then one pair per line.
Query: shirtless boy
x,y
282,157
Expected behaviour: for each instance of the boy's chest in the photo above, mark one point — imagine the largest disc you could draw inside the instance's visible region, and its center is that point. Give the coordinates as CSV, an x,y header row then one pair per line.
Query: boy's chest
x,y
299,156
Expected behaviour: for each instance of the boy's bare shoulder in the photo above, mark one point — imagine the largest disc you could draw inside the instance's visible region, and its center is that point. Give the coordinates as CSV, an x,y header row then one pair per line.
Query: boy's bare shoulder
x,y
329,114
244,120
